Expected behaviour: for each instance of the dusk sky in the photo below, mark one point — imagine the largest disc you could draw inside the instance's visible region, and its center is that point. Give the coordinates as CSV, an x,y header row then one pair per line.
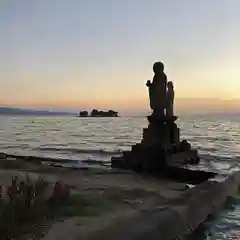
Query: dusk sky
x,y
77,54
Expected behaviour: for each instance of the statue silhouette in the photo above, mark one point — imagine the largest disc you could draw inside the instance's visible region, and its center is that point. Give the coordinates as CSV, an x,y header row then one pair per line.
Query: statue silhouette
x,y
157,90
170,99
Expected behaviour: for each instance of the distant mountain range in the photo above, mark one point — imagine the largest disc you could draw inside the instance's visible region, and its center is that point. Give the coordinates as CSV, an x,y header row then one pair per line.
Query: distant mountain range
x,y
20,111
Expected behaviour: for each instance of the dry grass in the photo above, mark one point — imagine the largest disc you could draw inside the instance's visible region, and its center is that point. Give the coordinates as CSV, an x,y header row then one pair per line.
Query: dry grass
x,y
26,205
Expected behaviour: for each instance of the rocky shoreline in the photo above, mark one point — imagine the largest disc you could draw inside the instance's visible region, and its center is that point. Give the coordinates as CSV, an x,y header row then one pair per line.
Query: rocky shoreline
x,y
132,206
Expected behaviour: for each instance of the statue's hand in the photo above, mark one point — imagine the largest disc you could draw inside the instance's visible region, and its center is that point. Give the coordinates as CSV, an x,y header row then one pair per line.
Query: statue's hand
x,y
148,84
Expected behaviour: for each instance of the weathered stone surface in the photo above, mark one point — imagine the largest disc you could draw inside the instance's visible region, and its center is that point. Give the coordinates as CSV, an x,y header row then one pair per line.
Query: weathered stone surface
x,y
177,217
159,120
155,158
182,158
157,135
159,147
174,133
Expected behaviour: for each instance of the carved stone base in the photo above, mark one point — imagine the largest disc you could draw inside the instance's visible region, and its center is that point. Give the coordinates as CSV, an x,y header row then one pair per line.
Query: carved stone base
x,y
160,147
141,159
153,119
157,135
163,131
174,134
153,160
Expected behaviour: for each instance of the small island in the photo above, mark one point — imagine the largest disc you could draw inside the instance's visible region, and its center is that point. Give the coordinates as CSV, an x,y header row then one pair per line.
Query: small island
x,y
97,113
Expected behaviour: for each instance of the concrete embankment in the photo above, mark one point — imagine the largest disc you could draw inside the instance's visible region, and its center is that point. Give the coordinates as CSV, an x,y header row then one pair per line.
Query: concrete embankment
x,y
177,217
135,206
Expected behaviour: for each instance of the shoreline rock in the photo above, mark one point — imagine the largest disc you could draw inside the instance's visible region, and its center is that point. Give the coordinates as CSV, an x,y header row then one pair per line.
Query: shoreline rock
x,y
138,205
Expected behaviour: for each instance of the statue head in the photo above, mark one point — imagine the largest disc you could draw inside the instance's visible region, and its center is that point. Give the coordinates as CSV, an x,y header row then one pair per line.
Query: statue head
x,y
170,85
158,67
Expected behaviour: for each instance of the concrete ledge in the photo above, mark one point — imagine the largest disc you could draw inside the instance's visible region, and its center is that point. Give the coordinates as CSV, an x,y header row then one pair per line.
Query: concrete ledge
x,y
177,217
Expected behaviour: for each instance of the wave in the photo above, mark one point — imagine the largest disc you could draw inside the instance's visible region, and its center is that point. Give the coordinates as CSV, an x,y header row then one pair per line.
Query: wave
x,y
207,138
78,150
218,157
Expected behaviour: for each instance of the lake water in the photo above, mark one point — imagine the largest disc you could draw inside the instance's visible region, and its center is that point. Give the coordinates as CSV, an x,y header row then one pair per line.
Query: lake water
x,y
216,137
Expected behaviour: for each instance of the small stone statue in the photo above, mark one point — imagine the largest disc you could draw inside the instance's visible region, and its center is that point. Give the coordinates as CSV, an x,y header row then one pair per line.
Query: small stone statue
x,y
157,90
170,99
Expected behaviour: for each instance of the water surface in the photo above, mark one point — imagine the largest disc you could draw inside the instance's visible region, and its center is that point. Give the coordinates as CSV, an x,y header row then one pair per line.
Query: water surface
x,y
216,137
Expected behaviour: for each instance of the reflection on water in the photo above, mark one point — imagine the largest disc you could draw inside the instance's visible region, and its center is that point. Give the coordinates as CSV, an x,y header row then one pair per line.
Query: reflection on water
x,y
217,138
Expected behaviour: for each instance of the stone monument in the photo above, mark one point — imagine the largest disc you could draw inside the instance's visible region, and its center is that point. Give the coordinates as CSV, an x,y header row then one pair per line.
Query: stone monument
x,y
161,145
157,90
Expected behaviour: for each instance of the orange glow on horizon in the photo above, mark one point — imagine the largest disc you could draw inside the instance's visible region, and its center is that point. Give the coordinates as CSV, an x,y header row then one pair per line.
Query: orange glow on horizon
x,y
207,105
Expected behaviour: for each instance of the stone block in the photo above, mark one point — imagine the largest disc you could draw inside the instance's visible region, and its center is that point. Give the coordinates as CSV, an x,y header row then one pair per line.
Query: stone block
x,y
159,148
174,133
161,120
156,135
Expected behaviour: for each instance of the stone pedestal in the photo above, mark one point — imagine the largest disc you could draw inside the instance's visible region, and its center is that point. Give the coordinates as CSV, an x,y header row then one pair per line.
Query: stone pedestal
x,y
162,131
160,146
156,135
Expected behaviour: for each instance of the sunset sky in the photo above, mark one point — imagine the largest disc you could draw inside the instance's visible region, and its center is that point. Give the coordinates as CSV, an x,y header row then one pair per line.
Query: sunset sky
x,y
77,54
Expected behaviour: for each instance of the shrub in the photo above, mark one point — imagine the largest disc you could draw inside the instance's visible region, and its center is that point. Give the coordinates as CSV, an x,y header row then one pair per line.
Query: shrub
x,y
27,203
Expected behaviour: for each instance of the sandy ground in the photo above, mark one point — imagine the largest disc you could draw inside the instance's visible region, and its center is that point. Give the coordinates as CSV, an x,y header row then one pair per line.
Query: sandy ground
x,y
125,193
